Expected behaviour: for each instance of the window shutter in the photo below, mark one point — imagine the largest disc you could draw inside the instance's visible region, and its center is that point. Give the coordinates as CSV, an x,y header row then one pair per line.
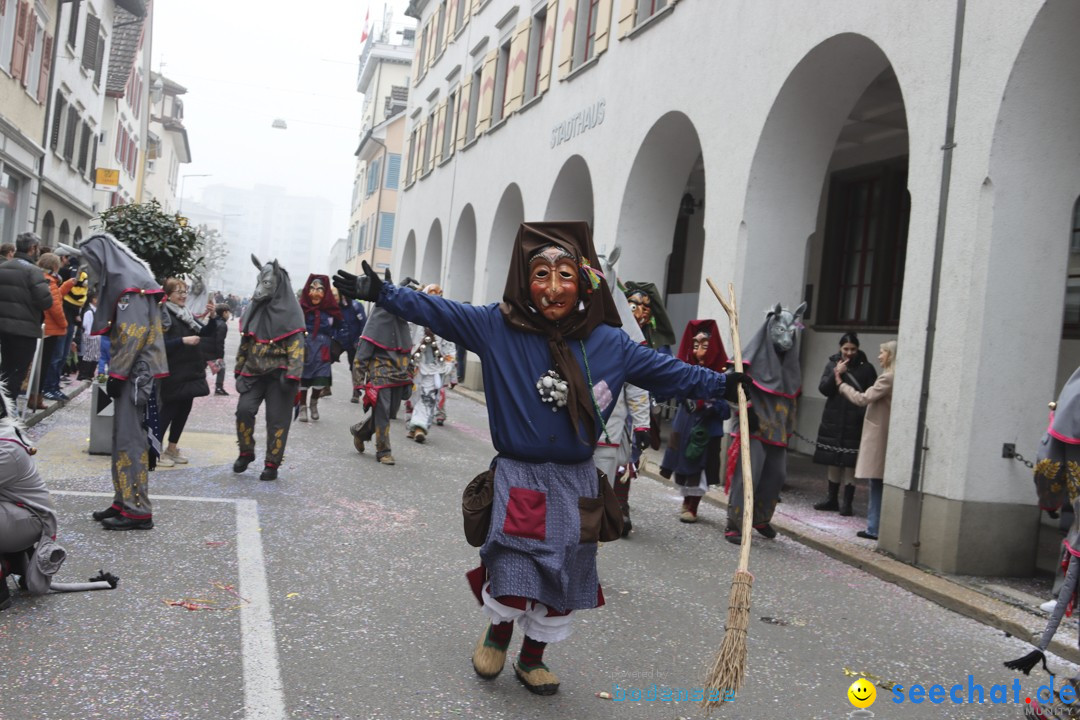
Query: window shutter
x,y
487,92
91,38
433,41
58,117
46,69
415,72
603,26
566,40
444,31
386,230
463,111
437,133
544,81
451,19
421,143
393,171
90,171
99,65
515,69
475,6
73,24
18,52
69,135
627,17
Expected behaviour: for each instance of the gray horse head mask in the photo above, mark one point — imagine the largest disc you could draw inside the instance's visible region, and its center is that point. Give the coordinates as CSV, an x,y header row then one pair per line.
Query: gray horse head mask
x,y
269,277
783,325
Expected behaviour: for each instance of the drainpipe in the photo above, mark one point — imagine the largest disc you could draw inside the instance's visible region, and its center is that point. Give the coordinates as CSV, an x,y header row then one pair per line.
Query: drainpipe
x,y
910,522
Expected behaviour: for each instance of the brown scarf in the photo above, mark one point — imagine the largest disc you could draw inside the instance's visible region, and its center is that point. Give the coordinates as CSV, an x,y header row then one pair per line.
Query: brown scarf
x,y
518,310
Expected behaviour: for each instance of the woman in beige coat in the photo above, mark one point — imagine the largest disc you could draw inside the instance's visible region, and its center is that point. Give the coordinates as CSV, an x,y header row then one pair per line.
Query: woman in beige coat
x,y
875,434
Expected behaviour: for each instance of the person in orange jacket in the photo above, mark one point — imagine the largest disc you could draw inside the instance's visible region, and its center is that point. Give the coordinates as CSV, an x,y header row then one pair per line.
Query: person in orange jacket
x,y
52,351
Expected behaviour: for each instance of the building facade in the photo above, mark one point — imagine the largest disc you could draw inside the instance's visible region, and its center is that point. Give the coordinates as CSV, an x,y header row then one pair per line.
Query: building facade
x,y
26,42
908,169
168,146
384,82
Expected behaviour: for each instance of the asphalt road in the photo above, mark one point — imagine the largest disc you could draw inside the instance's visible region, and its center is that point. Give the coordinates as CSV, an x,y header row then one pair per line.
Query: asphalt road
x,y
338,591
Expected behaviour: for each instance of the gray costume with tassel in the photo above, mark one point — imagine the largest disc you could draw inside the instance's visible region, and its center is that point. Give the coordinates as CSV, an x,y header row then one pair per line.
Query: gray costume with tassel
x,y
130,311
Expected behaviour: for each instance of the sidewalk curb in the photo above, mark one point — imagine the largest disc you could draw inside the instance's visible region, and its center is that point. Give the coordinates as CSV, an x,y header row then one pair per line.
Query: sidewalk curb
x,y
42,414
1011,620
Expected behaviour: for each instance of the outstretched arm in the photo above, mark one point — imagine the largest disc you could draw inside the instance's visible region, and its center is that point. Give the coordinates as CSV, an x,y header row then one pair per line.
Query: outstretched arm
x,y
458,322
665,375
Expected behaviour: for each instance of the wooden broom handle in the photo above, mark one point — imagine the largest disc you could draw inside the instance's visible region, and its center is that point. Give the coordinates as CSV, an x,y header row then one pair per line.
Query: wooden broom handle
x,y
744,428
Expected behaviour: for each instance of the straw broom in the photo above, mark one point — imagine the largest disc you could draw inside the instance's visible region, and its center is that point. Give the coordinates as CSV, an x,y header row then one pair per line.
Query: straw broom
x,y
726,674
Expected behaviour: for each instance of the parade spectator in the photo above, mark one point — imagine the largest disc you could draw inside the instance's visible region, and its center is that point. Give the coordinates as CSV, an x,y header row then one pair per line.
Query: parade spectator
x,y
7,251
841,424
89,344
74,301
875,433
184,342
24,296
52,350
217,351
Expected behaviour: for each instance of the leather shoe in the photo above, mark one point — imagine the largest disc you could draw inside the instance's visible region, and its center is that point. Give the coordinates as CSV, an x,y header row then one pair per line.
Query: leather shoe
x,y
109,512
268,473
766,529
865,535
125,523
242,463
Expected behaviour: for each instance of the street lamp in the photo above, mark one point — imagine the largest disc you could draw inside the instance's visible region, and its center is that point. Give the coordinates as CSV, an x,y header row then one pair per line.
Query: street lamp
x,y
182,179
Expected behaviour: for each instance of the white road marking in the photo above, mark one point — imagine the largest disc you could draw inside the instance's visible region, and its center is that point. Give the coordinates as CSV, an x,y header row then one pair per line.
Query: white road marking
x,y
264,697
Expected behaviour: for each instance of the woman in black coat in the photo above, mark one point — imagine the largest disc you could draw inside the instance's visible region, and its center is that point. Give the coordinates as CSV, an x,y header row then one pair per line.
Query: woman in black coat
x,y
841,423
186,341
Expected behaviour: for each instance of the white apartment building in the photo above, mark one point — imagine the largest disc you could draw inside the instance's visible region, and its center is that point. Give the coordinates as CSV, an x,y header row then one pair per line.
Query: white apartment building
x,y
86,57
911,169
167,142
127,110
26,43
383,80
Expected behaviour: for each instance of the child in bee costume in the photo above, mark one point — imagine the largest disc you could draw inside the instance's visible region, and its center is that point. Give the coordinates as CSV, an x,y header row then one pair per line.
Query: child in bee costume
x,y
431,355
1057,480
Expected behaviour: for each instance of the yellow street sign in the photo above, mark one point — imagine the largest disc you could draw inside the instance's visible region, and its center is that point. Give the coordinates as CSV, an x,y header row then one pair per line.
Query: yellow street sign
x,y
104,176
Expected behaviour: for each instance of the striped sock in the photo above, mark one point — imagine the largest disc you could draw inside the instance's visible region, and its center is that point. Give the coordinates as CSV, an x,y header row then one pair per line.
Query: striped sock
x,y
532,653
498,636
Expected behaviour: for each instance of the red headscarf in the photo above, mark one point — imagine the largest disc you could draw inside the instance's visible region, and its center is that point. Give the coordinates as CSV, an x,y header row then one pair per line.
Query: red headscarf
x,y
715,357
328,305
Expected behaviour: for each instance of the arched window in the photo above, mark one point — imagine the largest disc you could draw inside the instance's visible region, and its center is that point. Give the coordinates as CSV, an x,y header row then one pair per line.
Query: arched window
x,y
77,236
65,233
48,228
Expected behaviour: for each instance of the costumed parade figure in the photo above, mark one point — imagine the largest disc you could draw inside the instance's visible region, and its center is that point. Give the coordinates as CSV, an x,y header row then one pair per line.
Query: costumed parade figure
x,y
554,360
651,315
1057,482
772,357
321,314
269,365
381,374
693,451
626,432
130,311
27,519
432,356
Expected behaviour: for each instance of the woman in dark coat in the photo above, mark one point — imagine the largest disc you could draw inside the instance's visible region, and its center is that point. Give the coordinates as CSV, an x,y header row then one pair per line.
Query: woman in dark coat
x,y
186,341
841,423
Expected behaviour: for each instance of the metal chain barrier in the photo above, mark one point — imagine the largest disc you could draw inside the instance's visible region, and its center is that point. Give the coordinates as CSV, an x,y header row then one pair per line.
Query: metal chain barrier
x,y
1020,458
823,446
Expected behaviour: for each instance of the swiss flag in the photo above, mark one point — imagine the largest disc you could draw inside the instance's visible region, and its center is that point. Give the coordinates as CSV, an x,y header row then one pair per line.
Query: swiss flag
x,y
363,36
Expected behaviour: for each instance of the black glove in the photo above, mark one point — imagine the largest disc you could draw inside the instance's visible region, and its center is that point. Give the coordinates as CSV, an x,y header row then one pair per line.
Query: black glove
x,y
732,382
361,287
752,421
114,387
410,283
642,439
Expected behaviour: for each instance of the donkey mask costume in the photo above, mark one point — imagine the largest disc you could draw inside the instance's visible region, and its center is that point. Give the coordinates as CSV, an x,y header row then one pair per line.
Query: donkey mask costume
x,y
269,365
772,357
130,311
1057,480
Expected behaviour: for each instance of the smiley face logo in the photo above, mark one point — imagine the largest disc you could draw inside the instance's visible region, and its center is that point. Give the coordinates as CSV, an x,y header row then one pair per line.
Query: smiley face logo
x,y
862,693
